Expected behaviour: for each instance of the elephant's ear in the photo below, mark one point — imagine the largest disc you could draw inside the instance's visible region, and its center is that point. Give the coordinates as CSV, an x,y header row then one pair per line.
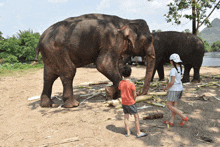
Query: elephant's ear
x,y
128,32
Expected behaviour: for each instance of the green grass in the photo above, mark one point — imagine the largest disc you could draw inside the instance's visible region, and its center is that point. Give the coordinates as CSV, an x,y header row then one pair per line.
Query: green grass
x,y
18,69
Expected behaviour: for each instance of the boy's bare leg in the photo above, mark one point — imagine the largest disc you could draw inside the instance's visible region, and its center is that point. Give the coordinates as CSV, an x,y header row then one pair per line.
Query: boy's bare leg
x,y
137,124
126,118
172,107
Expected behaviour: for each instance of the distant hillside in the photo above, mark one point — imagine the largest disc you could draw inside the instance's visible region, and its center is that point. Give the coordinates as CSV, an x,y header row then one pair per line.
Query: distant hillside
x,y
211,34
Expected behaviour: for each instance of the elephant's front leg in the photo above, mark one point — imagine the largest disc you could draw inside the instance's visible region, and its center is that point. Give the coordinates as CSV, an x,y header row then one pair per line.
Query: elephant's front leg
x,y
108,66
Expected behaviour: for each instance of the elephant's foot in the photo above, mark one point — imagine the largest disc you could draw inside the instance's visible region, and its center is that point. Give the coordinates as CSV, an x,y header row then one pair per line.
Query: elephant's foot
x,y
195,81
70,103
185,80
110,91
45,102
161,79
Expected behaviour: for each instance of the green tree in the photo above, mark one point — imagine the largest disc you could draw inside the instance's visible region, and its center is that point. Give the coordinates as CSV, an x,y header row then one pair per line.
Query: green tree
x,y
1,41
216,46
199,8
28,42
10,49
207,47
20,48
1,37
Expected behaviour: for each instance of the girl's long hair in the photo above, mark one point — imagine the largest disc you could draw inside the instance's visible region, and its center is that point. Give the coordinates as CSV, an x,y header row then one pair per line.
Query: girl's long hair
x,y
180,63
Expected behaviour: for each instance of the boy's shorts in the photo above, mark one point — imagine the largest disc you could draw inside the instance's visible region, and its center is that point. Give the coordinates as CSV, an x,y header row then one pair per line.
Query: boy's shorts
x,y
174,95
129,109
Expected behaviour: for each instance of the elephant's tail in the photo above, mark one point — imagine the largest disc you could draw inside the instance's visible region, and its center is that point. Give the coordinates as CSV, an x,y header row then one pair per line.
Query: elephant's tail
x,y
37,53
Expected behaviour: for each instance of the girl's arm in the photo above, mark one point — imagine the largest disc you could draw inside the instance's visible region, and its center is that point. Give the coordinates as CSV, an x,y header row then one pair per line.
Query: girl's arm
x,y
170,84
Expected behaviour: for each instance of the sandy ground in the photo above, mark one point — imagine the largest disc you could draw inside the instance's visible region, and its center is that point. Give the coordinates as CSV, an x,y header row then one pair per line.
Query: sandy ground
x,y
24,123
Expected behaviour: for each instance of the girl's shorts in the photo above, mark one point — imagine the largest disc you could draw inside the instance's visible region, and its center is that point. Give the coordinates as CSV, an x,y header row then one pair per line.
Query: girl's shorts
x,y
174,95
129,109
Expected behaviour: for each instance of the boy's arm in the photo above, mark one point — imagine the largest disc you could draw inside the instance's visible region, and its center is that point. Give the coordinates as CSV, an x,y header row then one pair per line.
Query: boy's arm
x,y
135,95
134,91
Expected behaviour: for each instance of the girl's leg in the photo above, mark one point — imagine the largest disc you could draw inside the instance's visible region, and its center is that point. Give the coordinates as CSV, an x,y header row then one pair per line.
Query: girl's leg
x,y
172,107
173,114
126,118
137,124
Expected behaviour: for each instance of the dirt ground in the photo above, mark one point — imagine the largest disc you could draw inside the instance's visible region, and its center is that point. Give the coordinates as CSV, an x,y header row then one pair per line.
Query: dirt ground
x,y
24,123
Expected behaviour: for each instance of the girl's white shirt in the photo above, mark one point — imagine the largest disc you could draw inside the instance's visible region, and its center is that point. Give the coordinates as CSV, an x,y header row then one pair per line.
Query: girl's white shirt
x,y
177,86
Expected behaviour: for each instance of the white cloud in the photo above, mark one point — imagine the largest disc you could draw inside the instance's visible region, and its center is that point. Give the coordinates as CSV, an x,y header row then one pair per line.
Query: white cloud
x,y
103,4
1,4
144,7
159,3
57,1
129,5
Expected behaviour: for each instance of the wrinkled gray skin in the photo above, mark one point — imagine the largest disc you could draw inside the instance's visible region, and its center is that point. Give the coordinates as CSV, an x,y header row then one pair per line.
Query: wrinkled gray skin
x,y
189,47
91,38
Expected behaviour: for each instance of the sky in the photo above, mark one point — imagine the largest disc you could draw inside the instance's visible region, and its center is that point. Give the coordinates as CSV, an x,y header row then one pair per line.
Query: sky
x,y
38,15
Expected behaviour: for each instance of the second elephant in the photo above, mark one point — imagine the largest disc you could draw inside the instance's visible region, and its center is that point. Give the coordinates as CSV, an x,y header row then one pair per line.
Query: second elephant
x,y
189,47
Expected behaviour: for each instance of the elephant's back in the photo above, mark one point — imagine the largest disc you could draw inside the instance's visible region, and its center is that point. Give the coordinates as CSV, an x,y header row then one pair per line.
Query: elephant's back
x,y
188,46
117,21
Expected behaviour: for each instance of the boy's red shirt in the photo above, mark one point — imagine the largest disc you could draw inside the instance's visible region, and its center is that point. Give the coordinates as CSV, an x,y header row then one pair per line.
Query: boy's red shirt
x,y
127,88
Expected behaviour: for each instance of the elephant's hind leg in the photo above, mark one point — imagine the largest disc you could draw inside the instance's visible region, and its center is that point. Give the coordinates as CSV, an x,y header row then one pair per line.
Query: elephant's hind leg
x,y
67,81
196,76
49,78
187,69
160,71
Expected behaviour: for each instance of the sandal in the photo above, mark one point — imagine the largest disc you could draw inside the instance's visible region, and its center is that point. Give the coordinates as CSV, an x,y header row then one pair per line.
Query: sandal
x,y
184,121
142,135
168,122
128,135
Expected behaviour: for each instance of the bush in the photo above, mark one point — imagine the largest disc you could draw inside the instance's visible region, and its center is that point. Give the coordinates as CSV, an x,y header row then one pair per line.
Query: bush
x,y
20,48
216,46
207,47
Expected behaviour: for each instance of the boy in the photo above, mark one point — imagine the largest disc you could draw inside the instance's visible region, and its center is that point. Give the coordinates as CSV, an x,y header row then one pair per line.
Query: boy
x,y
128,96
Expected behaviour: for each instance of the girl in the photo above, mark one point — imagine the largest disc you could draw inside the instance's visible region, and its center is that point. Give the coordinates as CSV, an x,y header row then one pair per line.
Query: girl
x,y
176,90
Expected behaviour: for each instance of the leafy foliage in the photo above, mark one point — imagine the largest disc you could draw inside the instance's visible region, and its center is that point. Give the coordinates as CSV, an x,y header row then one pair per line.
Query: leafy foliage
x,y
216,46
207,47
201,6
1,37
20,48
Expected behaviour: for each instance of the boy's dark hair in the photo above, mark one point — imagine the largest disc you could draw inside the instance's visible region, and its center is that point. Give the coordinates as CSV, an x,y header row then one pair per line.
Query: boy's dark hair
x,y
126,71
180,63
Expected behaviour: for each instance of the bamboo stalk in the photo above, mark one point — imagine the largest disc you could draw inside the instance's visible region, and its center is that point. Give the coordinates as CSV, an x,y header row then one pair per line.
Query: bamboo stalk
x,y
118,101
99,83
157,93
156,104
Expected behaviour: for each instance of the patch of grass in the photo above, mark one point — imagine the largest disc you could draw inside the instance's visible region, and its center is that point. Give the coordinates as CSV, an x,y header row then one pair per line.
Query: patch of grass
x,y
18,68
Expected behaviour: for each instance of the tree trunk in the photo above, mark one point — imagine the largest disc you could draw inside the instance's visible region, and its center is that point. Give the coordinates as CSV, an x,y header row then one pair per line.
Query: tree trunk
x,y
194,30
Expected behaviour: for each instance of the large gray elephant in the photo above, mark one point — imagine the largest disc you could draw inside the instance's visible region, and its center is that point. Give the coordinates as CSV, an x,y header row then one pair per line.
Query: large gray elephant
x,y
99,38
189,47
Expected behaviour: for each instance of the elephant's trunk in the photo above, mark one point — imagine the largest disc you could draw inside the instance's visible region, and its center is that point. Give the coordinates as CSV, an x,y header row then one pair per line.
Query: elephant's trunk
x,y
150,58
